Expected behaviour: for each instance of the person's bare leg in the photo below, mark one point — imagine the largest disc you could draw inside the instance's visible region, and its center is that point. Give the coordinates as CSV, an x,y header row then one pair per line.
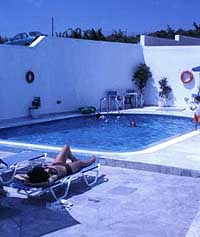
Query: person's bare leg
x,y
70,155
78,165
62,155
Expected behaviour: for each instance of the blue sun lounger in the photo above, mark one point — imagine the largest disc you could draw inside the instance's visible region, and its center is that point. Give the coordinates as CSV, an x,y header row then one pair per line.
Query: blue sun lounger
x,y
38,189
10,164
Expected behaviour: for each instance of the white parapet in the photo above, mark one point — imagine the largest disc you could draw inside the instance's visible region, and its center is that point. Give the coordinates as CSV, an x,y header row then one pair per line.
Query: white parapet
x,y
146,40
156,41
187,40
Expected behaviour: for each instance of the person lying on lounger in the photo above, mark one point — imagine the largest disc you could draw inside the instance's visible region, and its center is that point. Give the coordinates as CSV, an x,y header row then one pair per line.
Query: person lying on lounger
x,y
58,169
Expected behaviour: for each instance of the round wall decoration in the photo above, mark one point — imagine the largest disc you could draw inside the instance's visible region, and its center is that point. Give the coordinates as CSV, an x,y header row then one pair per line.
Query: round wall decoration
x,y
186,77
30,77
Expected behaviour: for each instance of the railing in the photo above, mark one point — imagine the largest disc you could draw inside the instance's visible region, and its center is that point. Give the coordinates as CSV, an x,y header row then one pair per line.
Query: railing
x,y
117,102
103,99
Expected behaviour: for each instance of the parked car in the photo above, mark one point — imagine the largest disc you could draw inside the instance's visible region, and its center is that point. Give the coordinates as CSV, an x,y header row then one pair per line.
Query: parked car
x,y
25,38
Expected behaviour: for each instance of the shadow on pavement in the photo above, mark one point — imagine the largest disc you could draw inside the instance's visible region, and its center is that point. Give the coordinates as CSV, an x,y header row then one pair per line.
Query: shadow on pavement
x,y
25,217
77,187
80,187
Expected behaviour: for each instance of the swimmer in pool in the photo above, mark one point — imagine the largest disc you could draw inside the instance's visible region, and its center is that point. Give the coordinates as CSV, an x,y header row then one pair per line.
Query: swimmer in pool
x,y
133,124
100,116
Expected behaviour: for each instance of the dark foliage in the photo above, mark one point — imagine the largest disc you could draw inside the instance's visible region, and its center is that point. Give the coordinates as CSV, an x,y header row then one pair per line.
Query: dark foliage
x,y
122,36
165,89
169,33
141,76
92,34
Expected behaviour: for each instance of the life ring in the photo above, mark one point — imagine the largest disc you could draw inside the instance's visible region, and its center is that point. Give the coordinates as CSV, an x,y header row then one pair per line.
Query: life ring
x,y
30,76
186,77
87,110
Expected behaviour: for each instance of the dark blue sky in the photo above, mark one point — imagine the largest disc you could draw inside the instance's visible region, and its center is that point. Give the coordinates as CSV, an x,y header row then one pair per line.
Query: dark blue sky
x,y
135,16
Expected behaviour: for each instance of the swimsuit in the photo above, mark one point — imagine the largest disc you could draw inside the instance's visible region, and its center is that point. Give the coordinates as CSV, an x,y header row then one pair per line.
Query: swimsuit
x,y
67,167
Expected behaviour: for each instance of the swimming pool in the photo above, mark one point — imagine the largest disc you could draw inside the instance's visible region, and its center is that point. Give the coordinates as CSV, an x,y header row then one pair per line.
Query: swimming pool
x,y
111,134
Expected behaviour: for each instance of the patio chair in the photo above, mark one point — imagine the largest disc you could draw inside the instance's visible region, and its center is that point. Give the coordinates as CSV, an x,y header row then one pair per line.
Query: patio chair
x,y
38,189
131,98
111,100
10,164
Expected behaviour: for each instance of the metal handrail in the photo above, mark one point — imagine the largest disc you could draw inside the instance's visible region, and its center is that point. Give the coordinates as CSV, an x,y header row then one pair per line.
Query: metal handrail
x,y
102,100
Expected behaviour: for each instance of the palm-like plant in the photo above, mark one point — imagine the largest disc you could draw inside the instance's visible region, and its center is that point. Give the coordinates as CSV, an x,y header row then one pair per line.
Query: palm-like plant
x,y
165,89
92,34
141,76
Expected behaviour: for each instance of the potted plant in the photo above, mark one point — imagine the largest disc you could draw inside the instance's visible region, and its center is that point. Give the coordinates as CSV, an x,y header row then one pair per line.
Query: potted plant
x,y
140,77
34,109
165,93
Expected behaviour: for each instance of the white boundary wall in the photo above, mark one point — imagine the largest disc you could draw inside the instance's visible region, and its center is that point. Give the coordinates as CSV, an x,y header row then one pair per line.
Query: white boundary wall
x,y
75,72
79,72
179,40
170,62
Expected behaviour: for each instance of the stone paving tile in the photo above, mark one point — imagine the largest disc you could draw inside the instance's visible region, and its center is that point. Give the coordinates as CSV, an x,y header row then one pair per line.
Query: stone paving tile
x,y
124,202
135,203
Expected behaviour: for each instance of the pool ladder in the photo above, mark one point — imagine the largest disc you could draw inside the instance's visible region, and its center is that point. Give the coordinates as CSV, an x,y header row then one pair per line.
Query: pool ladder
x,y
103,99
116,104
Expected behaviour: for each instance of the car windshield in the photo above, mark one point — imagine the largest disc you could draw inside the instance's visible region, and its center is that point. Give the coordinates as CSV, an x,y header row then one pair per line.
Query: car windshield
x,y
35,33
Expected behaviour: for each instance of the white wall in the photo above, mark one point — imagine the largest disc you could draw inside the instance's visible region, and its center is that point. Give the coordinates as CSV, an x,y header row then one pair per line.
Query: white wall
x,y
76,72
187,40
170,61
146,40
79,72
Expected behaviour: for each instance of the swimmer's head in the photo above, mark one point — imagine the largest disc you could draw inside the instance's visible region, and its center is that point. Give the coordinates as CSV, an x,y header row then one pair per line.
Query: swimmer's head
x,y
133,124
98,116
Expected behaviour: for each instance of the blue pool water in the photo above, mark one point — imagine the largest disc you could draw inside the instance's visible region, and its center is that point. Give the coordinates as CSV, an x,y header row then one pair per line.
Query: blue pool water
x,y
113,135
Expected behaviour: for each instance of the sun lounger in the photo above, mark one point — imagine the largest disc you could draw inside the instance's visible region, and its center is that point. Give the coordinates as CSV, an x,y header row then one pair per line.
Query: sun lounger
x,y
10,164
40,188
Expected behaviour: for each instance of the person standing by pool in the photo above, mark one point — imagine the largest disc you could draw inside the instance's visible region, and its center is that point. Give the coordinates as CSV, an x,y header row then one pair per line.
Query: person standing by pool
x,y
197,112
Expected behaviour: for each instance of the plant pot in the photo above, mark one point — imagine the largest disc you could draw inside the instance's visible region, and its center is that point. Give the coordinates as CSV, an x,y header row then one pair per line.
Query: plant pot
x,y
164,102
34,112
140,101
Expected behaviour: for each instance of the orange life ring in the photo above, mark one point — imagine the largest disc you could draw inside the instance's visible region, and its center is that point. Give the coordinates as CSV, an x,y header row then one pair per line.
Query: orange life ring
x,y
186,77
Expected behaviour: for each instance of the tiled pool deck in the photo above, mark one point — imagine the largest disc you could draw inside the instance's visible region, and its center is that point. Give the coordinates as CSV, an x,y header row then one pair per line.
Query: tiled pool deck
x,y
127,200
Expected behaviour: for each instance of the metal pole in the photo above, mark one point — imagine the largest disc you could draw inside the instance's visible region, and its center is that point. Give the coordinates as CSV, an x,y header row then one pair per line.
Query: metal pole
x,y
52,26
